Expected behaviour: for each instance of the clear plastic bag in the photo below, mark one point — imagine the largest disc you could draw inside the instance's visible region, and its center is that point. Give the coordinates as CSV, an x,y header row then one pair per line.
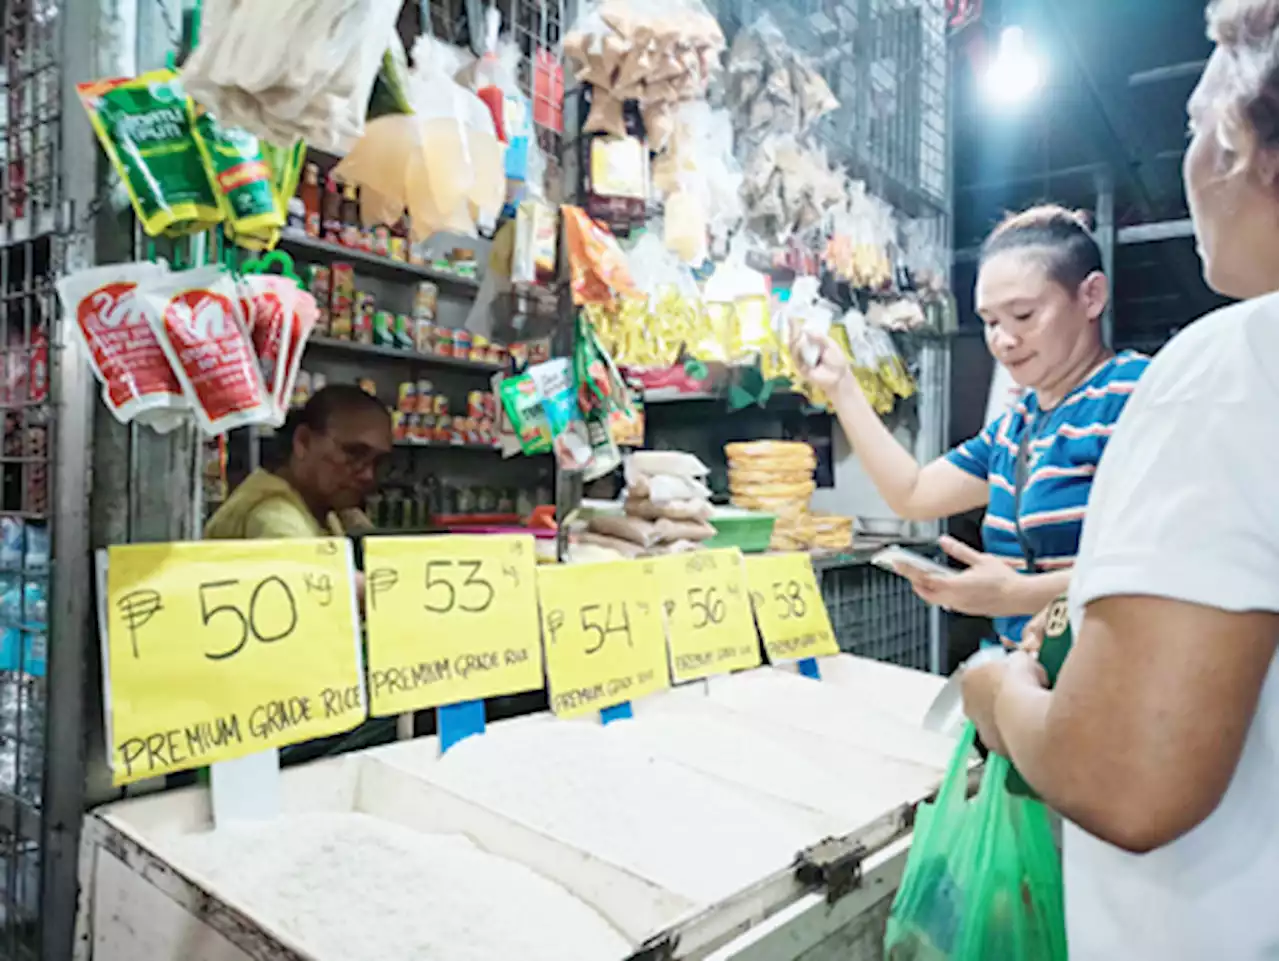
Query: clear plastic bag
x,y
645,50
443,163
700,180
772,88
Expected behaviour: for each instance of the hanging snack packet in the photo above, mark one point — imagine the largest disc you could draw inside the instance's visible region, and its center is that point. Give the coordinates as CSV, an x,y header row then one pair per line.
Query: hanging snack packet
x,y
242,179
569,439
597,267
144,126
523,404
195,315
137,380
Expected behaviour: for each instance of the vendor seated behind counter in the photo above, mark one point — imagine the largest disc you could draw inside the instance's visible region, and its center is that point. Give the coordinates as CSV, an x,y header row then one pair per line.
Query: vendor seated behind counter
x,y
327,458
329,455
1040,294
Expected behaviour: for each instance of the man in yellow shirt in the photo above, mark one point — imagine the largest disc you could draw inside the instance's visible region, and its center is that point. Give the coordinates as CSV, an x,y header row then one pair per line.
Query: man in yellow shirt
x,y
330,453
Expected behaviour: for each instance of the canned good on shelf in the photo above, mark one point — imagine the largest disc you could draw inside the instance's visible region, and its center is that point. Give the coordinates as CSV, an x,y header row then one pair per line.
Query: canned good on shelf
x,y
426,300
462,344
407,397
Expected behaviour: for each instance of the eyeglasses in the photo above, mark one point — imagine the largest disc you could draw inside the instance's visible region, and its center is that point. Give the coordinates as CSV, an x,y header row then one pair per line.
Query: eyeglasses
x,y
361,457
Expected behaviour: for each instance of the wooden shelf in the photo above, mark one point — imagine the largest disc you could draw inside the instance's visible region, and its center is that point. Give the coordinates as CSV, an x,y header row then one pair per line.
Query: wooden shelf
x,y
397,353
445,445
376,264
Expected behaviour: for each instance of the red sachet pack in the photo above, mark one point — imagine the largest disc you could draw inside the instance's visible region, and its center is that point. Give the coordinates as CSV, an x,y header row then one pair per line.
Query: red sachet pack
x,y
283,316
195,315
137,380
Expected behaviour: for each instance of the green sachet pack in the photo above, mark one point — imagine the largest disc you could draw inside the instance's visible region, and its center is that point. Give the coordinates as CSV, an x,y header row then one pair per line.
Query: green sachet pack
x,y
242,180
144,126
523,404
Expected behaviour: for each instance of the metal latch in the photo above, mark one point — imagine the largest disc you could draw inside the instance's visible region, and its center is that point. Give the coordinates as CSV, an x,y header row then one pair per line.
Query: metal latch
x,y
660,947
834,864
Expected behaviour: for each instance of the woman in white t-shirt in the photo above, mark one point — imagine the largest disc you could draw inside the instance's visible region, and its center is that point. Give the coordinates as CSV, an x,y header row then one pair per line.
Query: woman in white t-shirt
x,y
1159,743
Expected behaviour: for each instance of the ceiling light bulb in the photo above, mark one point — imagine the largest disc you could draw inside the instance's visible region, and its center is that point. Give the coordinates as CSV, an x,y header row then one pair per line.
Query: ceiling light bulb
x,y
1016,72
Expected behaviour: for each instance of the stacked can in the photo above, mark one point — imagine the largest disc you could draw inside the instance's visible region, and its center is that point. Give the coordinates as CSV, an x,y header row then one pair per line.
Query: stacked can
x,y
319,284
343,304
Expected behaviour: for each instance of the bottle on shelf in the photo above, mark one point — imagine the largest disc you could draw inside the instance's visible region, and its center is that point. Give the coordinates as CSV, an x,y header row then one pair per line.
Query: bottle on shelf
x,y
309,193
350,235
331,211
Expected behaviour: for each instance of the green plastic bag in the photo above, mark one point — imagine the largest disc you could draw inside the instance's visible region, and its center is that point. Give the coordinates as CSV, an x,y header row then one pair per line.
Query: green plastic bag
x,y
983,880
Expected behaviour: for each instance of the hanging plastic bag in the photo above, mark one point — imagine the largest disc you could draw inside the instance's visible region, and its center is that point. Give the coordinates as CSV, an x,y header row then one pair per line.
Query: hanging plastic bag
x,y
291,68
443,163
737,299
983,880
137,381
195,315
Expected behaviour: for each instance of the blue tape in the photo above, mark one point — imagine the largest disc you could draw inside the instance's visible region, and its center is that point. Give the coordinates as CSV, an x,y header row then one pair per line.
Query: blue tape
x,y
809,668
457,722
619,712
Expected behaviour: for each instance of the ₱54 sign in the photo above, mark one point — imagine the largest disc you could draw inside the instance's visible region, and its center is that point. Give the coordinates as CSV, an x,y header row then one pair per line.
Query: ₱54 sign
x,y
602,632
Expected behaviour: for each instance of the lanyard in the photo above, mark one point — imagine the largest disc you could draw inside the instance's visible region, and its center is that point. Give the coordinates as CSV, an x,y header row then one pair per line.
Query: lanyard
x,y
1021,469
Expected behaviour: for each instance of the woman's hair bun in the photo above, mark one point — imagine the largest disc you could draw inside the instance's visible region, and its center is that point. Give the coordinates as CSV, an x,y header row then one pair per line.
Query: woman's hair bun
x,y
1044,218
1064,238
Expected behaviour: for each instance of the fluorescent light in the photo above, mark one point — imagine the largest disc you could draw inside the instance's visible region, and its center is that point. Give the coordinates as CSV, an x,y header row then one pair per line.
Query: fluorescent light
x,y
1016,72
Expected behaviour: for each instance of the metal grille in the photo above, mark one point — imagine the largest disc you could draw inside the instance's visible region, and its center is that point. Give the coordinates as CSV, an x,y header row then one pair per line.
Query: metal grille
x,y
886,62
537,27
875,614
30,139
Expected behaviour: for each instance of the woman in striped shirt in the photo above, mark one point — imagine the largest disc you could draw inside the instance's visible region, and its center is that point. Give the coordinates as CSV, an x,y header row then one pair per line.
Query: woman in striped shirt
x,y
1041,293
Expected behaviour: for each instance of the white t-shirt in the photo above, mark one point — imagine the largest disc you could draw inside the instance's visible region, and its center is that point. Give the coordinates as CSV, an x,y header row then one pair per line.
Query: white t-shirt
x,y
1185,506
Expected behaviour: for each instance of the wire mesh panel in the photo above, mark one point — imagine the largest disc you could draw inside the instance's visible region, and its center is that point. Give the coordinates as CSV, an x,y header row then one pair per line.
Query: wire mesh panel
x,y
536,27
886,62
30,140
876,614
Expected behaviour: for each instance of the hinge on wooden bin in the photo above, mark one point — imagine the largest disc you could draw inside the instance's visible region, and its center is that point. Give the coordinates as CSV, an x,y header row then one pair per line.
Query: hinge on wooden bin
x,y
834,864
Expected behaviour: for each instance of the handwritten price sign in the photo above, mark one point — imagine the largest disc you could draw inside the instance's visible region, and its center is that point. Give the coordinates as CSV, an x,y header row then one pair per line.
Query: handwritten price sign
x,y
219,649
789,608
451,618
708,611
602,629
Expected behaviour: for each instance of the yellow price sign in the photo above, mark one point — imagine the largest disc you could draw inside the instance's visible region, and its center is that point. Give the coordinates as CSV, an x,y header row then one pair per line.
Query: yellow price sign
x,y
708,611
451,618
219,649
789,608
602,631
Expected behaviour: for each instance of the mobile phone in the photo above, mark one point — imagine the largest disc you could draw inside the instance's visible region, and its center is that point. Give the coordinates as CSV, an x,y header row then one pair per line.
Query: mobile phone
x,y
891,557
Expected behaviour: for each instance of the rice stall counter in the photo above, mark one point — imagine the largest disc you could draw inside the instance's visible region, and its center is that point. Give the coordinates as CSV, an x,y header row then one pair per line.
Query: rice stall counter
x,y
761,814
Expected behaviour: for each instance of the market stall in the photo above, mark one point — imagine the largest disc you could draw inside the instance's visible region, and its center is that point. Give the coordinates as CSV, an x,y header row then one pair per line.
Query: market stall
x,y
650,820
517,324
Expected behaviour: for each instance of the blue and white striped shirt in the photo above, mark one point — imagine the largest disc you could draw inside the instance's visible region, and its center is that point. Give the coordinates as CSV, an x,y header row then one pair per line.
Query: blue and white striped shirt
x,y
1065,446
